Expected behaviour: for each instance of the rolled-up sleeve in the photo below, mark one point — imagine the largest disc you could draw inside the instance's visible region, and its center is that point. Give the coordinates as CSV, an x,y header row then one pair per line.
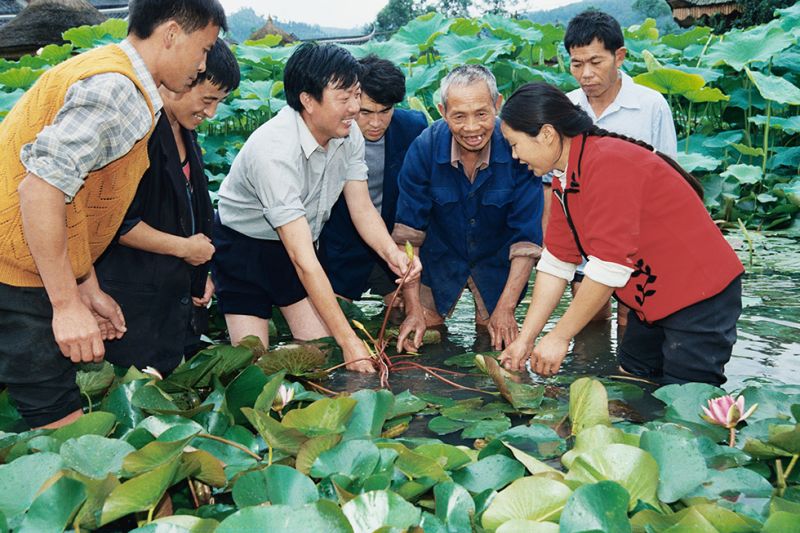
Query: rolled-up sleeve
x,y
550,264
102,118
414,201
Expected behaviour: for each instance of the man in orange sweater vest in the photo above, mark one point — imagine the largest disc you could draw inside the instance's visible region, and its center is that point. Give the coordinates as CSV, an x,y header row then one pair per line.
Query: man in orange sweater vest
x,y
73,150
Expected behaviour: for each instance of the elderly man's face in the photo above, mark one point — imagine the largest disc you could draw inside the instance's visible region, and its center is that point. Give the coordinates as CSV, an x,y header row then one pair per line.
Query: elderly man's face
x,y
470,114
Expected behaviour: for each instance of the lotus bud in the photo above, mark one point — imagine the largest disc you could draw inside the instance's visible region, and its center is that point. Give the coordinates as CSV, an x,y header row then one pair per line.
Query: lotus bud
x,y
409,251
282,399
149,370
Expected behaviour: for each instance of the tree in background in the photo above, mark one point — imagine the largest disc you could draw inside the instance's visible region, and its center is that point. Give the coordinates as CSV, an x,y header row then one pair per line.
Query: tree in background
x,y
453,8
243,23
652,8
397,13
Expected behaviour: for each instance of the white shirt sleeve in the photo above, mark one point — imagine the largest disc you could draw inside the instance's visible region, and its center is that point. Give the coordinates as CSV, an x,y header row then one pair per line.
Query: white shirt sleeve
x,y
665,139
552,265
607,273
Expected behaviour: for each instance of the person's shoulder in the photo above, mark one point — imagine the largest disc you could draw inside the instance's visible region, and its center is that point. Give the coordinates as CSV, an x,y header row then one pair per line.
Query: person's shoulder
x,y
410,118
575,95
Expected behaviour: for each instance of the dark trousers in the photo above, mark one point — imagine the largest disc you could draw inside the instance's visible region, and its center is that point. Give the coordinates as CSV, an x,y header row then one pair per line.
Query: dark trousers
x,y
690,345
40,380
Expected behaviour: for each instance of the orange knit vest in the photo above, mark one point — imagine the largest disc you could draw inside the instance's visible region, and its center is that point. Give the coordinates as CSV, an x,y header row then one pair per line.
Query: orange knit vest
x,y
96,212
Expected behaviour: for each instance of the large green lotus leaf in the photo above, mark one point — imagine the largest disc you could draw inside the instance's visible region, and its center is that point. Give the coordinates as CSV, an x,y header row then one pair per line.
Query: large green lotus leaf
x,y
423,30
631,467
158,425
20,78
743,481
277,485
697,518
416,465
297,359
268,393
95,456
422,78
243,391
323,417
310,450
138,494
441,425
373,510
740,48
395,51
179,524
152,399
537,440
790,125
787,440
684,406
323,515
406,403
694,161
21,480
457,50
601,506
471,410
520,395
87,36
356,459
595,437
152,455
486,428
196,371
369,414
279,437
775,88
748,150
773,402
681,466
454,506
494,472
588,404
53,508
95,379
696,35
202,466
97,423
520,31
532,464
465,27
96,493
449,456
7,101
706,94
782,522
670,81
531,498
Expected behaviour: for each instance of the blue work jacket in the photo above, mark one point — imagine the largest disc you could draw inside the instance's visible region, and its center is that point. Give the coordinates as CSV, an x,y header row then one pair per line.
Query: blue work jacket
x,y
469,227
345,257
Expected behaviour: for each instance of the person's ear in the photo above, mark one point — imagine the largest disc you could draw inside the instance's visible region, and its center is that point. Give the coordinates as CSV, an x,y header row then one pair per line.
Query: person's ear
x,y
440,107
307,102
170,31
498,102
619,56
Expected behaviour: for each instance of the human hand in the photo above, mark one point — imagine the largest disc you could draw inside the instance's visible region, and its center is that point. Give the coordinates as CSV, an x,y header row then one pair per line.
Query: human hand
x,y
207,294
357,357
548,355
77,333
414,321
503,327
514,356
398,261
197,249
107,313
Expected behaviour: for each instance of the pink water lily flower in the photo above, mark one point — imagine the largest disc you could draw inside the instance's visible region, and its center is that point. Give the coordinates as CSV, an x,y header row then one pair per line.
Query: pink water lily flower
x,y
727,412
282,399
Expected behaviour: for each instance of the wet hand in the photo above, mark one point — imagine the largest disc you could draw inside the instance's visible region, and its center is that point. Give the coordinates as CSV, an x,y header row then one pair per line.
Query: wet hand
x,y
503,328
414,321
358,358
77,333
197,249
548,355
514,356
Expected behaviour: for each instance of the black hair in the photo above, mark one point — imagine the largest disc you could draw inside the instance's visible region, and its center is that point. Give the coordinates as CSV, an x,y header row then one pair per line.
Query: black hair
x,y
312,67
535,104
222,69
382,80
589,25
144,16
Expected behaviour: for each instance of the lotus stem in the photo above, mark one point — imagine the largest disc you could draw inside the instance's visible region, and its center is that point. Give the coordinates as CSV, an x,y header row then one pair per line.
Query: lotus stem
x,y
230,443
789,468
321,388
340,365
269,455
732,438
382,332
194,494
437,376
150,514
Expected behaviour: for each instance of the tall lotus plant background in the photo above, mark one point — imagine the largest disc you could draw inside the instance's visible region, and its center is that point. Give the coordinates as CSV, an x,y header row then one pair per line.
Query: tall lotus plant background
x,y
235,440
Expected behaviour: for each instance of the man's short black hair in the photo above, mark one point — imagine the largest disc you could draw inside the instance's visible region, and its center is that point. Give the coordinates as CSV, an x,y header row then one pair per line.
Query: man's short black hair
x,y
222,69
144,16
312,67
590,25
382,80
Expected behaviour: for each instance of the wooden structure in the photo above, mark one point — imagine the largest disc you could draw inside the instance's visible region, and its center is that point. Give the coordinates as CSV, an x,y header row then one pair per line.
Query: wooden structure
x,y
270,28
690,12
42,22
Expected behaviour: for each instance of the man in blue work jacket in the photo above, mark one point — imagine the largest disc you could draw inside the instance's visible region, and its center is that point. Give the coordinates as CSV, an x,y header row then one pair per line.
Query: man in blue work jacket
x,y
474,212
351,265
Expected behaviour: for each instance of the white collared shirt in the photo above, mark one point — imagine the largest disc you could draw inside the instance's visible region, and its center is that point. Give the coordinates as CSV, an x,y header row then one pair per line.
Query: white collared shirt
x,y
638,112
282,174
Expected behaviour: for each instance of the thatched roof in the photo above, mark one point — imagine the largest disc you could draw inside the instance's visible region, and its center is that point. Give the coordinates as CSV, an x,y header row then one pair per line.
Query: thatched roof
x,y
698,3
270,28
42,23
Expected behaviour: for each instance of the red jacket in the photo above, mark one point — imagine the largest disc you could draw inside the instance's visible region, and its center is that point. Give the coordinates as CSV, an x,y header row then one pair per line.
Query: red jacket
x,y
628,206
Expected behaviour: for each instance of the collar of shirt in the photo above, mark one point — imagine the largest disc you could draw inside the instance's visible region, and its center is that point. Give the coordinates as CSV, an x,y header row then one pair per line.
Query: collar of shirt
x,y
456,157
626,98
144,75
307,141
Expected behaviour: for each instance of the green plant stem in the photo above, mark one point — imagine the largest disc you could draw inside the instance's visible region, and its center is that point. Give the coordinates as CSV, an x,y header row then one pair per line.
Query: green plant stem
x,y
230,443
732,437
688,126
748,239
150,514
766,143
789,468
269,455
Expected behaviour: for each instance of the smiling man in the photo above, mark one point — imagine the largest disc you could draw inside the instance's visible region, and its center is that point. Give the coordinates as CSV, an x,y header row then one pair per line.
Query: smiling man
x,y
279,193
158,269
474,212
388,131
74,148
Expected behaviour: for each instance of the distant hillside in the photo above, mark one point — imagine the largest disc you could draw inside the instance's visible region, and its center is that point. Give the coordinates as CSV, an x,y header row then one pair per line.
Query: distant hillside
x,y
244,22
621,10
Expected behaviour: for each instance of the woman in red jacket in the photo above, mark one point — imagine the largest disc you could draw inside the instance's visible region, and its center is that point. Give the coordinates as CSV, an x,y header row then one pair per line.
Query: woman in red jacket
x,y
639,219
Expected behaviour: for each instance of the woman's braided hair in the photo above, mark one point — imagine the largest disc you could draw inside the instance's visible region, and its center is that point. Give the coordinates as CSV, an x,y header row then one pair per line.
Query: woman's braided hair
x,y
535,104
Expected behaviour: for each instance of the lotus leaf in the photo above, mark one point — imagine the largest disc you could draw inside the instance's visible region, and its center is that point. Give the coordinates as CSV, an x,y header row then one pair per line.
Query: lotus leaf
x,y
588,404
89,36
701,517
356,459
95,456
602,506
21,481
323,417
454,506
53,508
493,472
594,437
670,81
275,434
740,48
681,466
323,515
527,526
423,30
140,493
371,511
277,485
733,481
775,88
530,498
97,423
450,457
296,359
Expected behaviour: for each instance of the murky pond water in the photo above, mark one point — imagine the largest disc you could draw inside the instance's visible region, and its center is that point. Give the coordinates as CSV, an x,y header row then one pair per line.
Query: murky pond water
x,y
768,346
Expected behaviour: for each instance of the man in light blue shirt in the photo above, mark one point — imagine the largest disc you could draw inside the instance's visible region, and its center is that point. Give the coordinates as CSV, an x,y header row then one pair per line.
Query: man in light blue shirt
x,y
615,103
